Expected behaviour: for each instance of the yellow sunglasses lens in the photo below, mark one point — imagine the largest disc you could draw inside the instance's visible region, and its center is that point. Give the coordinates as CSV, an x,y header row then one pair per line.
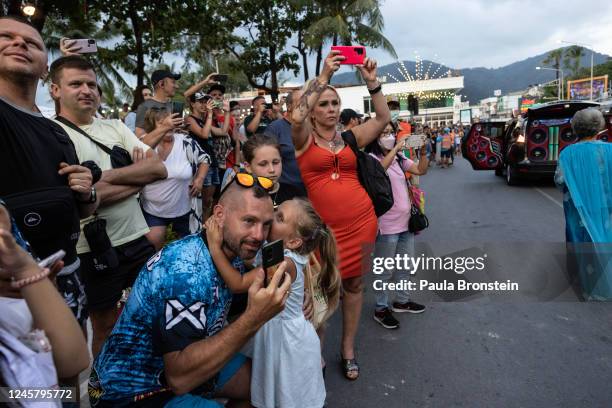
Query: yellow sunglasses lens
x,y
265,182
245,179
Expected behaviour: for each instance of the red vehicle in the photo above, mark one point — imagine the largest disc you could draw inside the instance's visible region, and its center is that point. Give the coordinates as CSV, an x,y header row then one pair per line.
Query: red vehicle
x,y
528,146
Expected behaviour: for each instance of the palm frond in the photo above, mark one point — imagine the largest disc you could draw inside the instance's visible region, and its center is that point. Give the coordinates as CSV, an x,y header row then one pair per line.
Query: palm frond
x,y
369,36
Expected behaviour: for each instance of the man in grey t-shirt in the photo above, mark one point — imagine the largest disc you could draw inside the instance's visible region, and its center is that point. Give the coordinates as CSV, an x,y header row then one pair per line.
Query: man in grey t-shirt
x,y
164,88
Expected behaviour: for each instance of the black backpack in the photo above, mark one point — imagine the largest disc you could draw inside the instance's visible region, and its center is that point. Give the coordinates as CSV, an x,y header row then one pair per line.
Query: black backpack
x,y
372,176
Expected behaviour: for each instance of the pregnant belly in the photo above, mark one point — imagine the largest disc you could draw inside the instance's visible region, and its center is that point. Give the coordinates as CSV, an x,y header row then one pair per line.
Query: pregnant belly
x,y
340,202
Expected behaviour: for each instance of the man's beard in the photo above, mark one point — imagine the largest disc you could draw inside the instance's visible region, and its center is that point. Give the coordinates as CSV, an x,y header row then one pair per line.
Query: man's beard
x,y
19,76
237,248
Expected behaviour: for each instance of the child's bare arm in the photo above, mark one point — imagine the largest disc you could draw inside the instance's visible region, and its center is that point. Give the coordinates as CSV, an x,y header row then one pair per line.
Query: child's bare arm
x,y
235,281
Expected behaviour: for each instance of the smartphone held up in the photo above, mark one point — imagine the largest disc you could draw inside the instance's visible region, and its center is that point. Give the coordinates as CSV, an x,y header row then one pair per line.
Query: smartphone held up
x,y
79,46
353,54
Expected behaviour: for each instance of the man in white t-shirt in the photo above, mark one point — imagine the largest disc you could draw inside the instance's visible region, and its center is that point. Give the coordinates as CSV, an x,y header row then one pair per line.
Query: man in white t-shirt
x,y
107,267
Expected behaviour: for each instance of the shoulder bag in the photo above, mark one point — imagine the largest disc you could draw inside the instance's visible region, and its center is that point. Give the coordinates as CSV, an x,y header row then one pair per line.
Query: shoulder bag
x,y
372,176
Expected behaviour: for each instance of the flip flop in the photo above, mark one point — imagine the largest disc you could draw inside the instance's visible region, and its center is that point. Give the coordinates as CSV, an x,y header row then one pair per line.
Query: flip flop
x,y
349,365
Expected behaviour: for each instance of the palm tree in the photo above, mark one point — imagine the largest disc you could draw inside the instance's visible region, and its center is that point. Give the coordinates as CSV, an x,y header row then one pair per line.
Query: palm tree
x,y
573,55
346,22
106,61
553,59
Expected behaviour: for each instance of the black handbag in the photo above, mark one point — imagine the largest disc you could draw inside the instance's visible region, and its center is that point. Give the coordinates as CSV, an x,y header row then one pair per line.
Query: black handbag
x,y
118,155
372,176
418,221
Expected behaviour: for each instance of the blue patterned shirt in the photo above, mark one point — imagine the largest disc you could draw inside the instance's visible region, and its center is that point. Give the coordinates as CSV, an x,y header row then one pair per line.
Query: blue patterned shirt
x,y
177,299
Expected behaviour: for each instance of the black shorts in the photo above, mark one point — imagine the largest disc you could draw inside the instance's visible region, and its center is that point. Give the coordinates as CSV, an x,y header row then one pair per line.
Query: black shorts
x,y
104,287
446,153
73,292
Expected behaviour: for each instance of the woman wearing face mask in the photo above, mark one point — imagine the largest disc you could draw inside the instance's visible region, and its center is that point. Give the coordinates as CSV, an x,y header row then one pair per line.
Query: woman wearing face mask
x,y
393,235
329,172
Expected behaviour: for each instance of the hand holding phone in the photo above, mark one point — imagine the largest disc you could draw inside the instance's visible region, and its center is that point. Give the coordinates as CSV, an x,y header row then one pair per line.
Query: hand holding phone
x,y
414,141
78,46
52,259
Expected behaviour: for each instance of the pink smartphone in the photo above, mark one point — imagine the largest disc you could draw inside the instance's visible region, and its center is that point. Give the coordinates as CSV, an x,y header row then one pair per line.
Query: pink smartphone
x,y
87,46
354,54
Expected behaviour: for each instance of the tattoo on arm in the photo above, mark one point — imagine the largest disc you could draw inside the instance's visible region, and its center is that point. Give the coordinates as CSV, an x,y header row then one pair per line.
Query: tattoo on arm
x,y
314,87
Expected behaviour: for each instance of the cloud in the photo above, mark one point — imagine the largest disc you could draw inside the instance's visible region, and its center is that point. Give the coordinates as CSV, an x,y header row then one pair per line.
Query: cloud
x,y
471,33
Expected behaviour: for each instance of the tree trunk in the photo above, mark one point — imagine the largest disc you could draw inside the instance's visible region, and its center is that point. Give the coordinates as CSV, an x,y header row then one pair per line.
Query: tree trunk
x,y
302,49
319,59
140,65
272,55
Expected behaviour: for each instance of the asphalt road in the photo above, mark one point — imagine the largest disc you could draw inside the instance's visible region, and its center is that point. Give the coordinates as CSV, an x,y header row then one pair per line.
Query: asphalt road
x,y
536,348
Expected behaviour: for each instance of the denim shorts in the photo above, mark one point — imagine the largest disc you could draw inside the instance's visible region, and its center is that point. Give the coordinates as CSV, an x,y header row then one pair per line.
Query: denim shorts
x,y
180,225
212,177
196,401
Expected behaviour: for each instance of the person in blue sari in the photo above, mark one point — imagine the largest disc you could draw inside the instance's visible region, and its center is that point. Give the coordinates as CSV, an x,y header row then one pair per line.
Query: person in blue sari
x,y
584,173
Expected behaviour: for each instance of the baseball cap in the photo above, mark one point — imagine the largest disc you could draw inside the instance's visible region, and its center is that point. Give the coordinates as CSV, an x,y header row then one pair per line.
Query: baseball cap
x,y
216,87
198,96
161,74
347,114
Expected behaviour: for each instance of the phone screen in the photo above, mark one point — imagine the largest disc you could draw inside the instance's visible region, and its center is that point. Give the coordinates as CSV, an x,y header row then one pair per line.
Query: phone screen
x,y
178,107
220,78
51,259
272,254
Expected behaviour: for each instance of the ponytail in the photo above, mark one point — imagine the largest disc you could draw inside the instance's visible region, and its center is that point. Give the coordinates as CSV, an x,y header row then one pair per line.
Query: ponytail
x,y
329,278
317,236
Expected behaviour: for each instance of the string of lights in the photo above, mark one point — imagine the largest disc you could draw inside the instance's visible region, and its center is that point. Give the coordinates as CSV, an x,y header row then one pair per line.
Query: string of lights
x,y
418,77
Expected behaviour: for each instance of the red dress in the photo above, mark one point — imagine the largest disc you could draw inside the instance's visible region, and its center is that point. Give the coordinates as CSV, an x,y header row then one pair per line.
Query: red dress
x,y
342,203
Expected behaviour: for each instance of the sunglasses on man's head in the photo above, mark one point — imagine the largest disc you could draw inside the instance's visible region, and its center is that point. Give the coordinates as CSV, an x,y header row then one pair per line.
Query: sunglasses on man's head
x,y
248,180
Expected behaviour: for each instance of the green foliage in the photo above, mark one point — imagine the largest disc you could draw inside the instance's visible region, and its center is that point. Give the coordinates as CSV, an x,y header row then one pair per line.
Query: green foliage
x,y
261,52
107,61
598,70
249,38
348,22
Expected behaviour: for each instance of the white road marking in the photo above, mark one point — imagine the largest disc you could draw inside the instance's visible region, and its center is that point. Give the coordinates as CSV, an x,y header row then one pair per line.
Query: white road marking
x,y
551,198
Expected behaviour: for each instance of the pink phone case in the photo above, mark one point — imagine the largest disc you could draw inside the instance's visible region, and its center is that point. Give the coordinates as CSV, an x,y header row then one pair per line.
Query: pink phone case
x,y
355,54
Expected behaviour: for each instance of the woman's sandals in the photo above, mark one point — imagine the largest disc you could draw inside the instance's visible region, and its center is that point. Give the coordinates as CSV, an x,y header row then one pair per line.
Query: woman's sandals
x,y
350,368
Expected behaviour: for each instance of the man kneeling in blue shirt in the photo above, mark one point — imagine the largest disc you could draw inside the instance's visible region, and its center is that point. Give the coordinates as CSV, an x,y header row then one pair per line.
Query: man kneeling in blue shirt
x,y
170,346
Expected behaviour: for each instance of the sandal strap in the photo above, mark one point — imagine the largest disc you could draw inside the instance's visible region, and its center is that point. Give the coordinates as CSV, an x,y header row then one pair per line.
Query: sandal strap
x,y
350,364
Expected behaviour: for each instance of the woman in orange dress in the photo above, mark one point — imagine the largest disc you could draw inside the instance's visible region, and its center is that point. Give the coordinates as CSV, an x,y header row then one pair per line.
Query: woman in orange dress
x,y
329,171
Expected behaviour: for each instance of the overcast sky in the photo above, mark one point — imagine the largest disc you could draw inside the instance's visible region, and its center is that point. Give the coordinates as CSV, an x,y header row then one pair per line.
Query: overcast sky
x,y
481,33
492,33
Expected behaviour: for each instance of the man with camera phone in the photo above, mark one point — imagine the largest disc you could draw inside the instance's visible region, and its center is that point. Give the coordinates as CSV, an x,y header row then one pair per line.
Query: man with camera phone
x,y
262,115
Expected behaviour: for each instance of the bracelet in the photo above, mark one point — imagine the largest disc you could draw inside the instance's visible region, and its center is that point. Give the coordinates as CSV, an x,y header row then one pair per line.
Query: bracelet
x,y
18,284
376,87
375,90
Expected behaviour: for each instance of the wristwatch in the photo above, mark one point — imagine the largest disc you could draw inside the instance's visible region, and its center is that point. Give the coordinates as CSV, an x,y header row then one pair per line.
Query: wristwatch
x,y
92,197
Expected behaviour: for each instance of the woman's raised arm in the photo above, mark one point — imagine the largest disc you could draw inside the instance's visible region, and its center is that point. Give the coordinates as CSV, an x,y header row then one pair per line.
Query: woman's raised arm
x,y
300,127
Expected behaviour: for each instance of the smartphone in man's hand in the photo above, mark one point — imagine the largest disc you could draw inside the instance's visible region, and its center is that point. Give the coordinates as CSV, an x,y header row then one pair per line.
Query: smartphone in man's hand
x,y
85,46
178,107
272,255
